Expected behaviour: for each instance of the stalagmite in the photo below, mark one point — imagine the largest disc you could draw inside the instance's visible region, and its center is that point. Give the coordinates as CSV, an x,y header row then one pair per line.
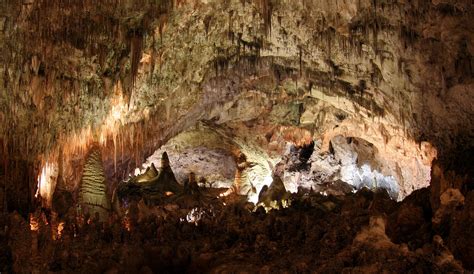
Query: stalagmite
x,y
351,120
93,196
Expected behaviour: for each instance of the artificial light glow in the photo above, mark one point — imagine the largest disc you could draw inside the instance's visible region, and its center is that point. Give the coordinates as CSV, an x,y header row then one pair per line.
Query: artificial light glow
x,y
79,141
116,112
60,229
365,176
137,171
127,224
119,107
34,225
267,180
274,205
47,183
194,216
227,193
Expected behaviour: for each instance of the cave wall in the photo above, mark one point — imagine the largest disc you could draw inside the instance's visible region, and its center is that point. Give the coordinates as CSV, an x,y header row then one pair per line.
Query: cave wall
x,y
130,75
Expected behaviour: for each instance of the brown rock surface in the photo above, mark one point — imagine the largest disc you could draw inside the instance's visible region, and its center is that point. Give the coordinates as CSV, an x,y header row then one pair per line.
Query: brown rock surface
x,y
395,74
365,92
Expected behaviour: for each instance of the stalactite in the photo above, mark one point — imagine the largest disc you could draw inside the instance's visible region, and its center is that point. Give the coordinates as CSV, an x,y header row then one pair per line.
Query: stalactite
x,y
266,10
114,138
136,45
5,155
162,21
301,59
122,143
229,31
152,58
207,22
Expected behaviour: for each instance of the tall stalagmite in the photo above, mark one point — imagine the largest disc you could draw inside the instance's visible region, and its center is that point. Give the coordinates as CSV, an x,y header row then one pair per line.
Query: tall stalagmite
x,y
93,194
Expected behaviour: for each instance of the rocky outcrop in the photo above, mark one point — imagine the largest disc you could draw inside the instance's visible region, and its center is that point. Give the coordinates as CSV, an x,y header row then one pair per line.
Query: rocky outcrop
x,y
152,185
202,151
166,181
274,195
356,232
460,241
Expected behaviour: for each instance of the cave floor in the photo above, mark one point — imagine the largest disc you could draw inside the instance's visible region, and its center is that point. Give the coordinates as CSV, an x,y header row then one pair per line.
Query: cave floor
x,y
361,232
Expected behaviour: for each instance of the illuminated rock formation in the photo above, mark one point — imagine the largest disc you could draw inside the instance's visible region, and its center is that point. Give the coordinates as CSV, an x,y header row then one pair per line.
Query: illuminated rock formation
x,y
339,96
275,195
362,69
152,184
93,193
150,174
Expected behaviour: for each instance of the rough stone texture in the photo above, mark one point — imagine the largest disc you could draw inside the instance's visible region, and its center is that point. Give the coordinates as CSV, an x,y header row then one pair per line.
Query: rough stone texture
x,y
461,243
317,234
132,74
201,151
93,192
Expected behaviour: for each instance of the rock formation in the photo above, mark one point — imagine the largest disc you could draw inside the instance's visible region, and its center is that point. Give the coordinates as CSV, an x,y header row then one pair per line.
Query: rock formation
x,y
387,73
93,196
274,195
152,184
363,108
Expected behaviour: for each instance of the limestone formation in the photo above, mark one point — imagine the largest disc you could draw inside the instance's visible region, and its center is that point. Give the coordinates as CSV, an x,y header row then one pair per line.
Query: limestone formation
x,y
93,193
191,185
275,195
387,73
166,181
352,120
152,184
150,174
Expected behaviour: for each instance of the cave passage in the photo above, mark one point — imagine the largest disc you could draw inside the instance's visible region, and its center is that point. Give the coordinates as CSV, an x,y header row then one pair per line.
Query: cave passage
x,y
237,136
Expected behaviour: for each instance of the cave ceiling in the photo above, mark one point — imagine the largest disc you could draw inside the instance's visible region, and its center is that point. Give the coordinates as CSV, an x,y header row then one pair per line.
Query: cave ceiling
x,y
130,75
